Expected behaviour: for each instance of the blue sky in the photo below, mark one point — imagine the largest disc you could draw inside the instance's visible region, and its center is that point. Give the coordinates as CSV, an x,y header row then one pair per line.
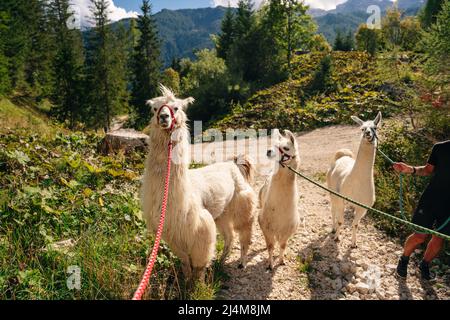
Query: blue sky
x,y
134,5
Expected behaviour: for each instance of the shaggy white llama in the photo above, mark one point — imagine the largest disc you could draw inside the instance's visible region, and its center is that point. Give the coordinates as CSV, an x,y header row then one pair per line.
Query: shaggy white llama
x,y
196,197
354,177
279,217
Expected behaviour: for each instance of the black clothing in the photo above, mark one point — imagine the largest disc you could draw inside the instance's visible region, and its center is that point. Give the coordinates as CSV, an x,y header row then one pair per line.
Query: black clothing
x,y
433,209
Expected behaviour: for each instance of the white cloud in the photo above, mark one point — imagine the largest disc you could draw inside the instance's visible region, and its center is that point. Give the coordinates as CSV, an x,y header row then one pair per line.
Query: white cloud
x,y
322,4
83,14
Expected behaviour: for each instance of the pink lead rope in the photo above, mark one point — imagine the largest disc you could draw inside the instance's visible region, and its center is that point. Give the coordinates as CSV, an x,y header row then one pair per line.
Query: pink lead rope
x,y
148,271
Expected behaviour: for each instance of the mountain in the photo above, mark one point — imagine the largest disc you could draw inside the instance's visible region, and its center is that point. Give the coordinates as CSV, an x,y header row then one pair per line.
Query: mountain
x,y
184,31
349,15
351,6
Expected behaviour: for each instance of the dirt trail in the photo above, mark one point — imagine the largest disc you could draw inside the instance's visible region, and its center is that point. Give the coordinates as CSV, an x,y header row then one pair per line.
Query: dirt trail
x,y
334,271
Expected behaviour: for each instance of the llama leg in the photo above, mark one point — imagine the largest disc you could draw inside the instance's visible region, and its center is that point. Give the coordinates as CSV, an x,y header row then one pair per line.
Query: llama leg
x,y
186,267
270,242
199,274
333,213
282,250
226,230
245,239
339,217
244,206
359,214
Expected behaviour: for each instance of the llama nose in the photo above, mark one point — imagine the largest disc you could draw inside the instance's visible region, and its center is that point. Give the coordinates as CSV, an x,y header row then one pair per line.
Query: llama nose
x,y
163,117
269,153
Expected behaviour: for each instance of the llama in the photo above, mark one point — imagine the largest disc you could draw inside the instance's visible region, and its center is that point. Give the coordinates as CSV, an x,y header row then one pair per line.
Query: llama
x,y
279,217
219,192
354,177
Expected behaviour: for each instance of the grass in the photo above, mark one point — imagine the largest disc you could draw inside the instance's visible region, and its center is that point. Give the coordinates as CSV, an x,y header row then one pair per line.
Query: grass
x,y
13,117
304,263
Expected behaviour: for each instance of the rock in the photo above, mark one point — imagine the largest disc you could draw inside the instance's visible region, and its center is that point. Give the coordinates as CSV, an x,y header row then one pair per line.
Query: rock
x,y
351,288
362,288
391,267
125,140
380,293
336,270
337,284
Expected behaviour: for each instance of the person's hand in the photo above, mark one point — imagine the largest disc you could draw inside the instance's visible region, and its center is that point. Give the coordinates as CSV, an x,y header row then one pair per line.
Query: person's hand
x,y
402,167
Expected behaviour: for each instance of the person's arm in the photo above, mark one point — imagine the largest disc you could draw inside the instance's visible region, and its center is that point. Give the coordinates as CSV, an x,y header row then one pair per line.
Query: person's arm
x,y
425,170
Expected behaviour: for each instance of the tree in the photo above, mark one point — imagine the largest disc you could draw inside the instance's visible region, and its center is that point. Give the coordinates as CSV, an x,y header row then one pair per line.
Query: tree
x,y
105,69
245,18
367,39
40,54
5,84
436,45
430,11
171,79
208,81
320,43
226,36
67,64
28,46
338,41
145,65
322,81
391,28
349,43
410,33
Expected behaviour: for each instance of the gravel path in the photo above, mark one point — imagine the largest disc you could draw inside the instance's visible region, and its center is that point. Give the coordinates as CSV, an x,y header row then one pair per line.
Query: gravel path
x,y
316,266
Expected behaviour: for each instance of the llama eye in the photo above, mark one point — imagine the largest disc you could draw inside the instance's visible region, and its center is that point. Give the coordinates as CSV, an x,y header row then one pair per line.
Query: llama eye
x,y
286,149
176,108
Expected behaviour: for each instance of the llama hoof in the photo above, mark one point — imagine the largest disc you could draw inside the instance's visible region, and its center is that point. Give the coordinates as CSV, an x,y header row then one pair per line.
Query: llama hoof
x,y
354,246
269,268
333,231
336,239
281,263
241,266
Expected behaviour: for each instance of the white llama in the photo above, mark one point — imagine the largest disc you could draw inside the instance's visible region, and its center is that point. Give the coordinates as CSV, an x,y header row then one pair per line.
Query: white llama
x,y
279,217
196,197
354,177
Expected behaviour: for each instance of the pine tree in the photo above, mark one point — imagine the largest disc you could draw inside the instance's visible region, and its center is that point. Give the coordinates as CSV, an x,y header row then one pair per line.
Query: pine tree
x,y
40,49
227,35
245,18
5,84
437,47
430,11
338,42
145,65
105,69
349,43
27,45
67,64
322,81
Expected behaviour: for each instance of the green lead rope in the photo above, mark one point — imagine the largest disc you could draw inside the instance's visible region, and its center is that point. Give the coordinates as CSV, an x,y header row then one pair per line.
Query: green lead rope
x,y
405,222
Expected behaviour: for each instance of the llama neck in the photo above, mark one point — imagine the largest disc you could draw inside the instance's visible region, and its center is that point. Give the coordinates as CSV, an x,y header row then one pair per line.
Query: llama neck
x,y
284,175
159,141
365,159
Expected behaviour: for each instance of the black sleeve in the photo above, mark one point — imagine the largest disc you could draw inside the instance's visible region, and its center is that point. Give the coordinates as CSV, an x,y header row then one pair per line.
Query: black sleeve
x,y
433,156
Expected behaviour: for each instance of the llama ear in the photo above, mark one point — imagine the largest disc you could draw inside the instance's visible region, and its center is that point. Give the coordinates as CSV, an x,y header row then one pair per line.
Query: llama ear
x,y
186,102
357,120
276,134
290,135
377,120
152,104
